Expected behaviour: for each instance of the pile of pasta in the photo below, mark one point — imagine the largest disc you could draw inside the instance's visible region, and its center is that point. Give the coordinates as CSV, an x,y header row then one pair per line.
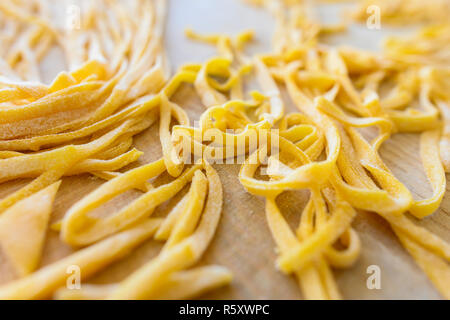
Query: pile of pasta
x,y
84,122
349,102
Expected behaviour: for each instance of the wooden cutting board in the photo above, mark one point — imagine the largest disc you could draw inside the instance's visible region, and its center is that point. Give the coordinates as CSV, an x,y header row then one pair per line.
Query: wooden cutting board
x,y
243,242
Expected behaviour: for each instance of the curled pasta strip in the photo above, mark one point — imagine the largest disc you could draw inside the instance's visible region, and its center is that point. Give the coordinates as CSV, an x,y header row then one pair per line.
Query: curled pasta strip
x,y
212,140
208,94
297,256
115,83
400,198
434,266
313,267
315,277
385,125
232,50
93,165
180,285
429,150
300,177
23,229
37,142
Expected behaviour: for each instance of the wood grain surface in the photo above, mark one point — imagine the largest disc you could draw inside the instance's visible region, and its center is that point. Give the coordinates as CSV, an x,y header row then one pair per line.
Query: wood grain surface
x,y
243,242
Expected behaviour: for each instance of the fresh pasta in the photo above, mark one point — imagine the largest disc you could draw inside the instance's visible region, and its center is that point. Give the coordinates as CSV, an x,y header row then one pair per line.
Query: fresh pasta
x,y
117,84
